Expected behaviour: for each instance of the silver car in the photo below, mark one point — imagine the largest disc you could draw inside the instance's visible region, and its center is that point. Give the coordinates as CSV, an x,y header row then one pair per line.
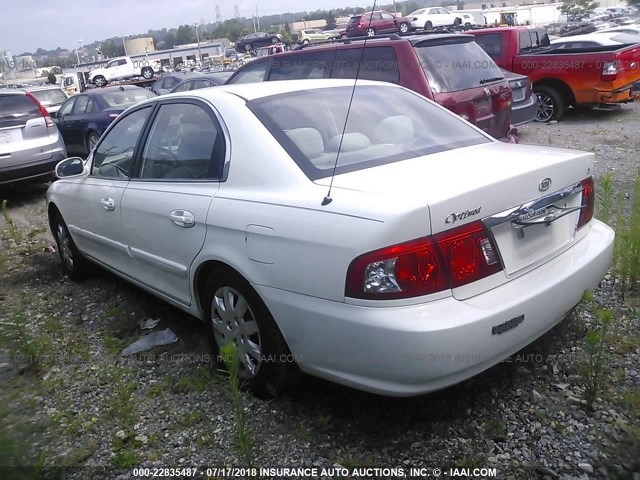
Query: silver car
x,y
50,96
30,144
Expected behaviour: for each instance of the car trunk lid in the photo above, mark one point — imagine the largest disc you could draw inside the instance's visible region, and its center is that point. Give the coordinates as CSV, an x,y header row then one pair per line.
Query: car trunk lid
x,y
511,188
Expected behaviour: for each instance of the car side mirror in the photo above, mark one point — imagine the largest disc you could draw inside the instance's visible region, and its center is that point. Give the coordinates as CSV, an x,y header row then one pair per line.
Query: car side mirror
x,y
70,167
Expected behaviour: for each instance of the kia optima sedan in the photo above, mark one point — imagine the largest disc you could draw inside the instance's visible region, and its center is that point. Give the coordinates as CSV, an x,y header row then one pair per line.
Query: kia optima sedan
x,y
392,247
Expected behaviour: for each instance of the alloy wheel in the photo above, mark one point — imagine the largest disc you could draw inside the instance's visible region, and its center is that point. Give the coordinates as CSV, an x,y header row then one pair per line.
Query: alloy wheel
x,y
546,108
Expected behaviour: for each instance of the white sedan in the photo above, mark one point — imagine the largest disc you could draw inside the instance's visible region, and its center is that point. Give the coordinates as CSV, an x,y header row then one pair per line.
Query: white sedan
x,y
405,255
595,39
430,17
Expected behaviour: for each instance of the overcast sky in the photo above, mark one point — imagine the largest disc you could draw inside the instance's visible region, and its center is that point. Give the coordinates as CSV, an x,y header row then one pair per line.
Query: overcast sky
x,y
27,25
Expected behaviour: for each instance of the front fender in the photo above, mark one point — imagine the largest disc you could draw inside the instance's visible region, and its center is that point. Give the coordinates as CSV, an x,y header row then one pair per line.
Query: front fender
x,y
95,73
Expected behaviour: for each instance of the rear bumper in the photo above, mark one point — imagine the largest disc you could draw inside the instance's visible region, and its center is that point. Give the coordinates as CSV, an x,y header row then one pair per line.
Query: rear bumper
x,y
628,93
32,170
524,112
415,349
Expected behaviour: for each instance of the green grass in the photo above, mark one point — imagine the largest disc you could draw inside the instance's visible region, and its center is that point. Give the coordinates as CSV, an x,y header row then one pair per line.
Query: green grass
x,y
495,428
245,444
200,381
626,256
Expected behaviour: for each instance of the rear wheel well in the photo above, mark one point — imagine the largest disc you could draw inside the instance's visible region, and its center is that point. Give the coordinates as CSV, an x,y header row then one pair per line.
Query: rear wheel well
x,y
561,87
203,273
52,211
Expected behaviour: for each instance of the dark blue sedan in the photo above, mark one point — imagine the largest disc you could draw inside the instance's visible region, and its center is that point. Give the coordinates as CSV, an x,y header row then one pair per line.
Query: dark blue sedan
x,y
84,117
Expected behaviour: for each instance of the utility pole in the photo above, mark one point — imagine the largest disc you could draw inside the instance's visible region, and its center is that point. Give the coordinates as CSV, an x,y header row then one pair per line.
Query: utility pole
x,y
198,40
257,17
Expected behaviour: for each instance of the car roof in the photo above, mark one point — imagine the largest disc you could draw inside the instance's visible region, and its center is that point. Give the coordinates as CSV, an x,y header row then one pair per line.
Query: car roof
x,y
10,91
248,91
41,87
99,91
605,38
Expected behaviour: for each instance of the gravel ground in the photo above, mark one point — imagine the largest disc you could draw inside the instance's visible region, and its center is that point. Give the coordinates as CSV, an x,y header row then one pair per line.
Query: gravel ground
x,y
82,403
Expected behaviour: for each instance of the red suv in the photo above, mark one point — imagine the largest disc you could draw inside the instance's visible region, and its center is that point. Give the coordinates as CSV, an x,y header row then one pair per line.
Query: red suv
x,y
450,69
372,23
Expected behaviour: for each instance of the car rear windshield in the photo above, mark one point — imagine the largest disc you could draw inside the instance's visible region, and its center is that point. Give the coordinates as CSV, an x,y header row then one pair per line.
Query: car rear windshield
x,y
455,66
124,98
16,110
51,97
355,19
384,125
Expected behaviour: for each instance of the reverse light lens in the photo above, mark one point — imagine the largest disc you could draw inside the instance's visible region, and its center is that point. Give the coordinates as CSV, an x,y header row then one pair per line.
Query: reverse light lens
x,y
424,266
588,201
610,70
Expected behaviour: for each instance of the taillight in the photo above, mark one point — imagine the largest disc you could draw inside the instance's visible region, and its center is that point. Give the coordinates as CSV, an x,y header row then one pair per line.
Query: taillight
x,y
469,253
588,201
610,71
360,24
423,266
47,118
502,101
113,116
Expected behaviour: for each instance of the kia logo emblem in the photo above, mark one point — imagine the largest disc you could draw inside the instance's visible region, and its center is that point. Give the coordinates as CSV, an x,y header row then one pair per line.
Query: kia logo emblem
x,y
544,185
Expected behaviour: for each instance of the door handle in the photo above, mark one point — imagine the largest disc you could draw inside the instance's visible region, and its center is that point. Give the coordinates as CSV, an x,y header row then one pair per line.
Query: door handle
x,y
108,204
182,218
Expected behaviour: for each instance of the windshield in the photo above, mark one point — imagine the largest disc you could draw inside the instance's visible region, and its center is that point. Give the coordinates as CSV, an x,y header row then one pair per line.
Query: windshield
x,y
457,66
48,98
386,124
125,98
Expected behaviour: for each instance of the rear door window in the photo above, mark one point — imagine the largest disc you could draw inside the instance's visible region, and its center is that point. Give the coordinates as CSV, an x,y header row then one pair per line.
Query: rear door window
x,y
295,67
254,73
491,43
452,67
16,110
376,63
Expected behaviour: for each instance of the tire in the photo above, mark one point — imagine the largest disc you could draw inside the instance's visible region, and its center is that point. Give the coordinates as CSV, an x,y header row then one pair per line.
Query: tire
x,y
403,28
274,40
428,25
305,41
223,292
551,104
370,32
247,47
147,73
457,22
99,81
91,140
75,265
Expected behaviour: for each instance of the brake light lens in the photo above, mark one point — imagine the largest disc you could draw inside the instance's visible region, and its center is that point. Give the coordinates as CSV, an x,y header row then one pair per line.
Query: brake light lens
x,y
588,201
502,101
47,118
610,71
113,116
424,266
468,253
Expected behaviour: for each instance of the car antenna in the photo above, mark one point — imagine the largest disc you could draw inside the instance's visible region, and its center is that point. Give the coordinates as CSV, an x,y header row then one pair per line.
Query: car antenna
x,y
327,199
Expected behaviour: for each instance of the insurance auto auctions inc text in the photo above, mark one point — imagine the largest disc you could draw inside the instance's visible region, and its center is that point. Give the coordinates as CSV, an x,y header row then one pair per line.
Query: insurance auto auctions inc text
x,y
367,472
